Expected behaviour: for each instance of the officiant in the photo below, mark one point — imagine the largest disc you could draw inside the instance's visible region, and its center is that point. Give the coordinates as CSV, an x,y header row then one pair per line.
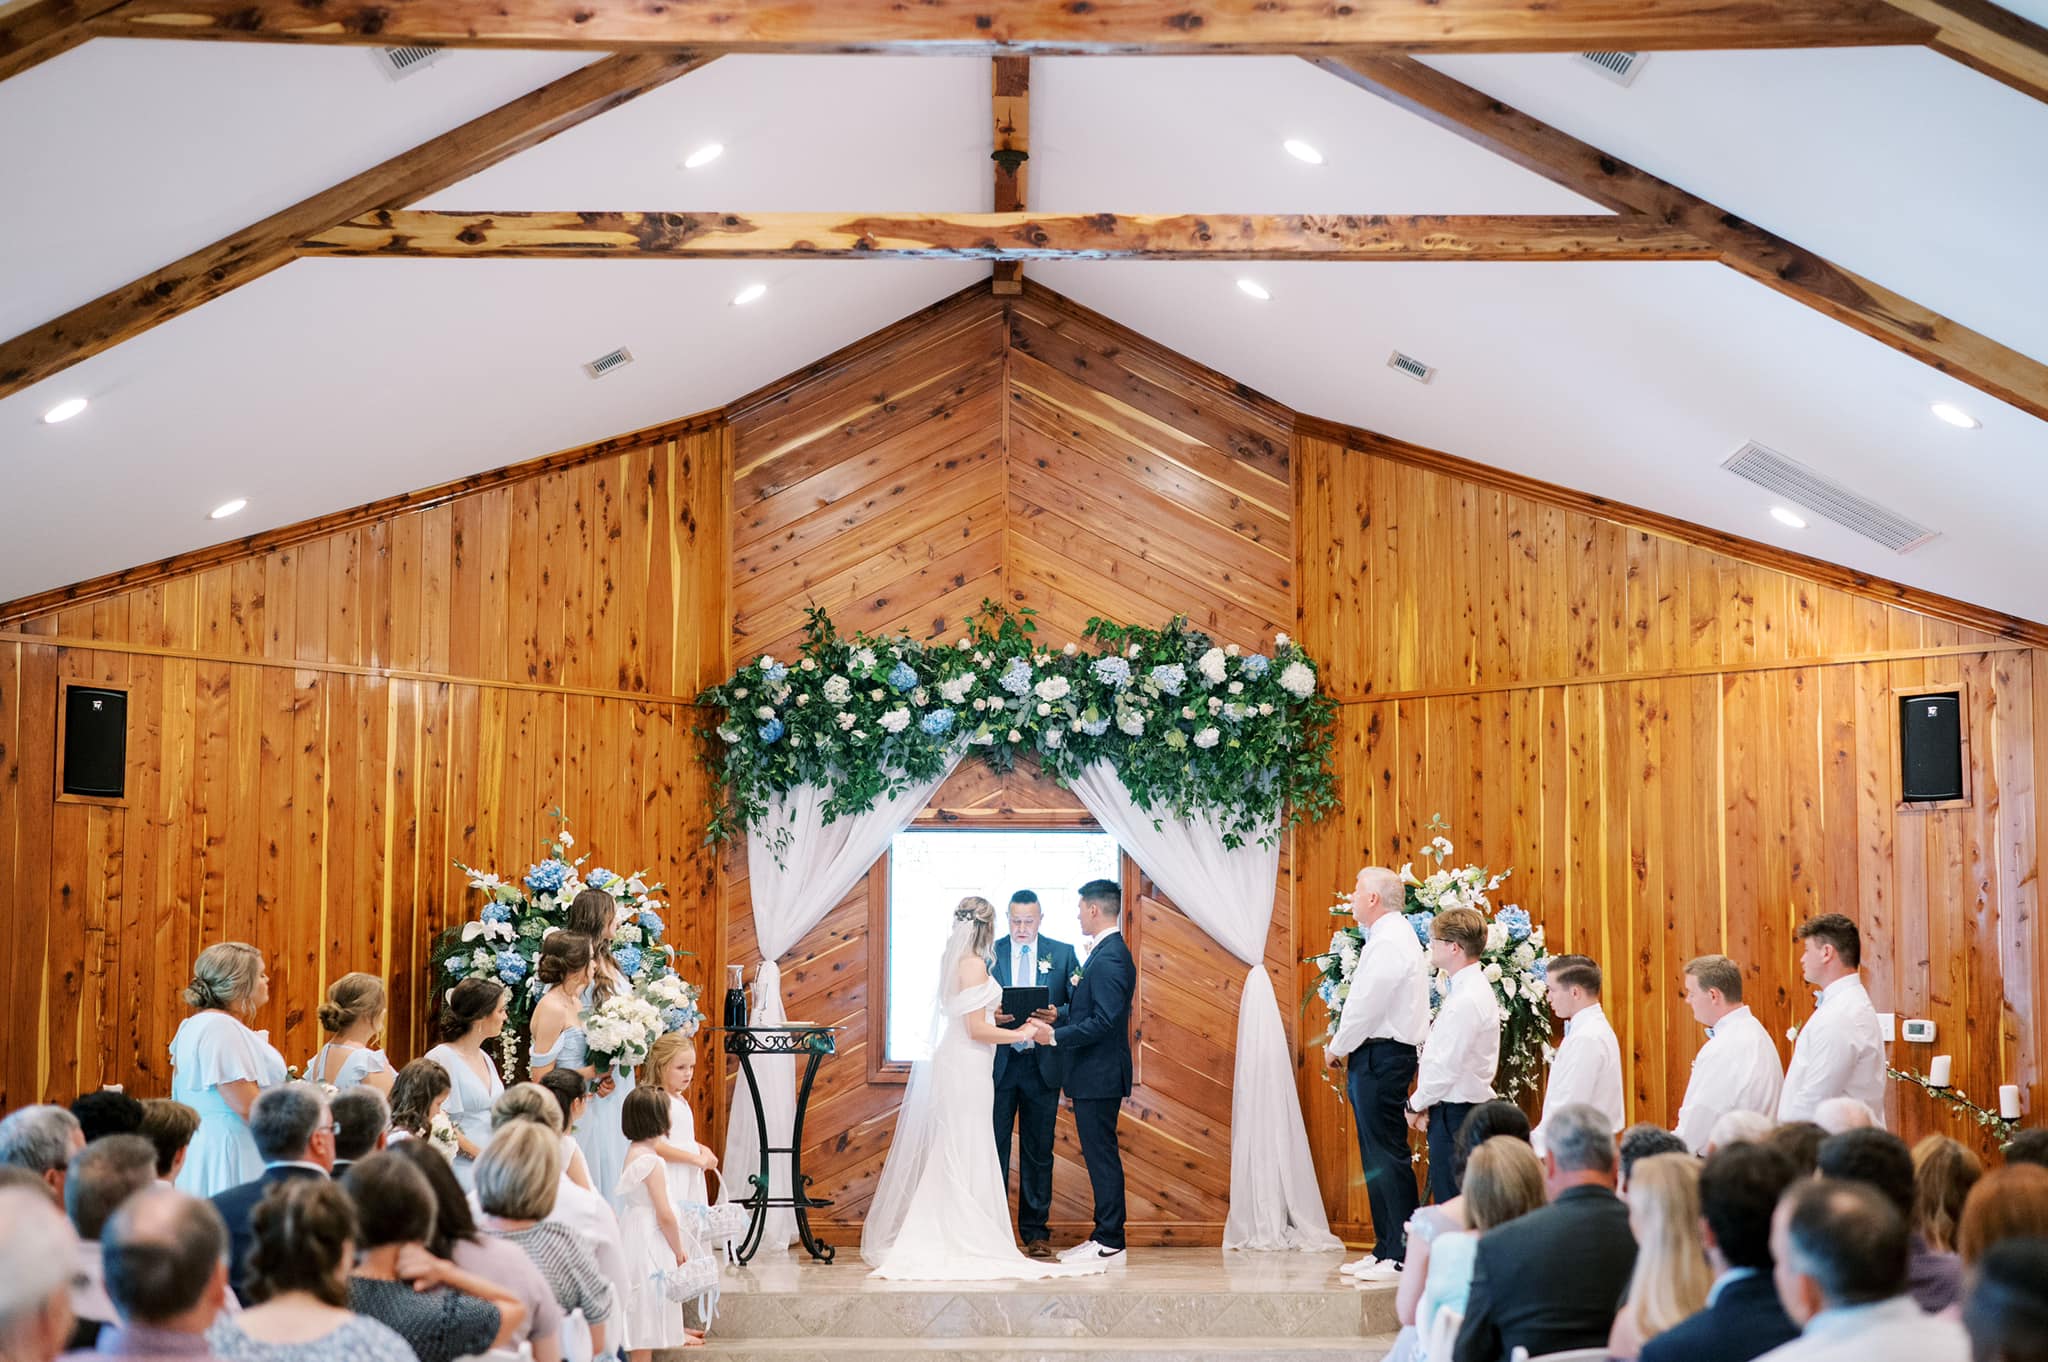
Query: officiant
x,y
1027,1083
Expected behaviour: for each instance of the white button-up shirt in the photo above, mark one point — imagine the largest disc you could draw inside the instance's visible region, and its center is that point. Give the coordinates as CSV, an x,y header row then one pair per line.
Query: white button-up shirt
x,y
1587,1070
1839,1053
1389,998
1895,1330
1736,1070
1463,1049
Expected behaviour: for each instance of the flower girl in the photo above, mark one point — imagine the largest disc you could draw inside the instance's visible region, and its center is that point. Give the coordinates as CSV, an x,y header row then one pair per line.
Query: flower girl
x,y
656,1249
670,1069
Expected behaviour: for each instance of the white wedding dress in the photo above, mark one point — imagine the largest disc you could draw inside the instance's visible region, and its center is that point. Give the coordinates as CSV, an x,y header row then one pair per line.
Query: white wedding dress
x,y
940,1212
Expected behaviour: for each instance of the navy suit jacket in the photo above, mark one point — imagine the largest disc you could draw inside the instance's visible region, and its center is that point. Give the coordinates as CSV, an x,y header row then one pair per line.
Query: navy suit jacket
x,y
1056,965
1094,1043
1746,1320
237,1207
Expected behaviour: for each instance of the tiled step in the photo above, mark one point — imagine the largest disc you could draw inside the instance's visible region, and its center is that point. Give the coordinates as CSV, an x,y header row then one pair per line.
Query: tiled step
x,y
1371,1348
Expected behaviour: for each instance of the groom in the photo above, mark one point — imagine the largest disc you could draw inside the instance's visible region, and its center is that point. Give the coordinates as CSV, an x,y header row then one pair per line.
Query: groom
x,y
1027,1080
1094,1047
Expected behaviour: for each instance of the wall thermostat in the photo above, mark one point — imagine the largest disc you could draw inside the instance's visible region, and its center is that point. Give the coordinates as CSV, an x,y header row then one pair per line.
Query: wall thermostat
x,y
1919,1028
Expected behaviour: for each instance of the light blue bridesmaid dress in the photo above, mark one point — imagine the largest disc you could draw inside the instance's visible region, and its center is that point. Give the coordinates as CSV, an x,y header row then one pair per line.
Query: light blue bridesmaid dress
x,y
469,1104
212,1048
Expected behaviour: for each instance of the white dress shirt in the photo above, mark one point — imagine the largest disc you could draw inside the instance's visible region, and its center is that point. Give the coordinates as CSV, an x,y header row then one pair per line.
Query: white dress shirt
x,y
1736,1070
1587,1070
1839,1053
1894,1330
1389,998
1463,1049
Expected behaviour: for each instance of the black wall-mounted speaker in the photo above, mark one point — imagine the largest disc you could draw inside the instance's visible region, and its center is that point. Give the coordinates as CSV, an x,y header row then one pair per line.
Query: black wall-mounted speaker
x,y
1930,746
95,742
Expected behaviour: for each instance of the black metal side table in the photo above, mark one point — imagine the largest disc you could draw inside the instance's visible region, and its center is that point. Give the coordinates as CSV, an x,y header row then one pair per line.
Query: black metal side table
x,y
746,1042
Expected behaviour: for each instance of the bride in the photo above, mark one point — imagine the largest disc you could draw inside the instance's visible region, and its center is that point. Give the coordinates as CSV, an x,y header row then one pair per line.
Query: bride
x,y
940,1212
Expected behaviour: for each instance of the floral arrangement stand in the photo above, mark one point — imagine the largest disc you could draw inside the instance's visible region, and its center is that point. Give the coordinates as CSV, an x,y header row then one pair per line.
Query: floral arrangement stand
x,y
816,1042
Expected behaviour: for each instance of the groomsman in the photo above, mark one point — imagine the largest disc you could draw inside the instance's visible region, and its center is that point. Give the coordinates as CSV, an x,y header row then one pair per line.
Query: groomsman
x,y
1027,1079
1385,1016
1587,1070
1738,1068
1463,1049
1840,1051
1095,1049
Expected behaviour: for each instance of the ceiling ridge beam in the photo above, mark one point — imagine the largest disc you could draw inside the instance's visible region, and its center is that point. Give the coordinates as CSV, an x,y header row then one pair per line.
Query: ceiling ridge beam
x,y
256,250
1987,38
1790,269
1010,103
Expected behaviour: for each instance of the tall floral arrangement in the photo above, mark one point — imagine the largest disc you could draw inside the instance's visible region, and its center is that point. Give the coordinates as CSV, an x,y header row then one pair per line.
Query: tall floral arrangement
x,y
1191,726
1514,962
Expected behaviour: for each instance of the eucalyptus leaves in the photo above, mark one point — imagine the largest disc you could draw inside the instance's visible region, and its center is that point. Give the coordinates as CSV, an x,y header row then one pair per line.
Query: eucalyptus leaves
x,y
1190,727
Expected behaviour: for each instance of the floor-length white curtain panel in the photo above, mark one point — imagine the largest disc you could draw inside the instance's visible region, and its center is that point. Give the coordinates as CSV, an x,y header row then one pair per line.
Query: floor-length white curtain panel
x,y
1274,1200
798,867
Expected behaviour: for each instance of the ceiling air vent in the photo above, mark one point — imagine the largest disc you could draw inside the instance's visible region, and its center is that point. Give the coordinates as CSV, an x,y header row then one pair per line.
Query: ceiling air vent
x,y
1619,67
1411,366
1801,485
400,62
604,364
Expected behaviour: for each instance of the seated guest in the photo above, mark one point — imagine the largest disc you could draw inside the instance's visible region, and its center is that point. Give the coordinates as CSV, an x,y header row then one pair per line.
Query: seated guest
x,y
166,1272
301,1246
417,1096
1800,1142
2006,1314
108,1111
572,1095
1642,1141
1739,1189
361,1123
1551,1280
1482,1123
1671,1277
295,1138
1839,1114
1881,1159
103,1175
1738,1127
518,1180
2029,1146
170,1126
36,1263
14,1178
2009,1203
1502,1181
440,1310
533,1102
1944,1171
577,1206
42,1140
1840,1249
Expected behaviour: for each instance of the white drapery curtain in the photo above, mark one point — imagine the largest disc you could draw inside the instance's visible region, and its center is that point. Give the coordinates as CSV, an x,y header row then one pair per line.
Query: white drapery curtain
x,y
792,891
1274,1200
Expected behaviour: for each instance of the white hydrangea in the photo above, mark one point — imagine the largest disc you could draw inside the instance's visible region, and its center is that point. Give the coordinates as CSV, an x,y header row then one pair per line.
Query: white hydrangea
x,y
838,689
955,691
1207,737
895,720
728,733
1298,680
1496,937
1052,688
864,658
1131,722
1211,665
1054,737
626,935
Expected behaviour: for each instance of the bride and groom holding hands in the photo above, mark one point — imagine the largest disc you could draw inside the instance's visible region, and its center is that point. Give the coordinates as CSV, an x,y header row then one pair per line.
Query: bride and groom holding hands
x,y
941,1209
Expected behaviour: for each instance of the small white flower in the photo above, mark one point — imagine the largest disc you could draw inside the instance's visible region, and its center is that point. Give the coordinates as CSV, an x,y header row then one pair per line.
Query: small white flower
x,y
1232,650
965,644
567,840
847,719
1053,688
997,702
919,696
1207,737
1015,736
1297,680
1131,651
810,664
1265,708
740,693
980,704
1237,688
803,699
1070,650
1131,722
765,712
876,694
1215,705
1279,640
1053,737
728,733
1043,709
766,661
895,720
1187,712
864,658
1211,665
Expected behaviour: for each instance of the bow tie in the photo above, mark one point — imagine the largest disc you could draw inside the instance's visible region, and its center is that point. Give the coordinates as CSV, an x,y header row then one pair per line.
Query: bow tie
x,y
1819,996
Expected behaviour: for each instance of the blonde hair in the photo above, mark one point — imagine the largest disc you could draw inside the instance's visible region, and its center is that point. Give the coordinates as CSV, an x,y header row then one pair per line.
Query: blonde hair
x,y
520,1170
982,914
350,999
1503,1180
1671,1276
661,1054
1944,1171
526,1102
224,976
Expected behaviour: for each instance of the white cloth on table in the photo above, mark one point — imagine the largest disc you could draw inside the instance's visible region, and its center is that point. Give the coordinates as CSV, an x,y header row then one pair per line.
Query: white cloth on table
x,y
1389,998
209,1049
1894,1330
469,1103
1738,1069
1586,1072
1838,1053
1463,1049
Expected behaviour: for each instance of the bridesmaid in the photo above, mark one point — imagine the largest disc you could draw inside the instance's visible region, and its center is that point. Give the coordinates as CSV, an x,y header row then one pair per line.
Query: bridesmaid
x,y
595,914
218,1066
354,1014
557,1028
475,1013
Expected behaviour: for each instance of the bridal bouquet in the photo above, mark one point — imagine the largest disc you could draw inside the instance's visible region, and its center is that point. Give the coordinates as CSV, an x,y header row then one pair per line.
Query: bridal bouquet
x,y
621,1030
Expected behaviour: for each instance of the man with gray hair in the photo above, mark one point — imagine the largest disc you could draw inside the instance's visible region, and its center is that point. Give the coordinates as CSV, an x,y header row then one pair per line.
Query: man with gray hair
x,y
1840,1250
103,1175
35,1276
42,1140
167,1273
1553,1279
295,1135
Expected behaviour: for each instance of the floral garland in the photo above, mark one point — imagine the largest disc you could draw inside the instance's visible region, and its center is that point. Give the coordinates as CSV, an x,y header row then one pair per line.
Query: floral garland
x,y
1514,962
1190,727
503,940
2002,1127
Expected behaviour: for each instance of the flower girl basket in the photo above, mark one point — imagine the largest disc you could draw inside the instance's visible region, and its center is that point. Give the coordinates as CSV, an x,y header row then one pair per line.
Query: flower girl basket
x,y
721,1224
695,1280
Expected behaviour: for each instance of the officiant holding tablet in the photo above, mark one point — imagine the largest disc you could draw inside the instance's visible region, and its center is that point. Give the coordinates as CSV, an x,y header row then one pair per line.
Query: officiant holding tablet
x,y
1027,1081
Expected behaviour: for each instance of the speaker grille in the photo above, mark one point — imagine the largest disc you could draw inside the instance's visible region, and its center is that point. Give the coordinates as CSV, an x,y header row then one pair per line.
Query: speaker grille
x,y
1794,481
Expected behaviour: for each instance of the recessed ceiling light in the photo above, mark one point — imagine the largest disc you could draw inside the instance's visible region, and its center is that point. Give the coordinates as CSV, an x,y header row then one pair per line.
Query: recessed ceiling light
x,y
1252,288
1785,517
64,410
1955,415
703,156
227,508
1302,151
748,294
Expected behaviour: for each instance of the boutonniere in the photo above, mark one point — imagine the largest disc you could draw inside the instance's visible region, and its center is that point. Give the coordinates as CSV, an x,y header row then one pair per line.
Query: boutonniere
x,y
1074,979
1045,967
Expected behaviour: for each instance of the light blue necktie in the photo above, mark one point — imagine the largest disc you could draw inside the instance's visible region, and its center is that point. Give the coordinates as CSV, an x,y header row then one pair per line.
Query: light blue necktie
x,y
1019,978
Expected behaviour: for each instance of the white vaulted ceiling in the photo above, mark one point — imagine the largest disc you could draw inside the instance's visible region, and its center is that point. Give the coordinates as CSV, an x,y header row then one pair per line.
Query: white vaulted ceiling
x,y
333,382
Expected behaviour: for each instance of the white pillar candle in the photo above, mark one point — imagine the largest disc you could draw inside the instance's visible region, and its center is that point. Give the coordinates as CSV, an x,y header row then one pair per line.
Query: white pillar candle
x,y
1938,1071
2009,1101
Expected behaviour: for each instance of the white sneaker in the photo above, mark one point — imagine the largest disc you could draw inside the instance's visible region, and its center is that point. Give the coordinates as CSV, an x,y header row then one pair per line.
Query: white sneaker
x,y
1362,1265
1382,1270
1086,1246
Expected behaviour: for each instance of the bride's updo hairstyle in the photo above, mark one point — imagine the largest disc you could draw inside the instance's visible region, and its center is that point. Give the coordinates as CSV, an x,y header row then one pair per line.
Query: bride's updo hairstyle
x,y
562,955
982,914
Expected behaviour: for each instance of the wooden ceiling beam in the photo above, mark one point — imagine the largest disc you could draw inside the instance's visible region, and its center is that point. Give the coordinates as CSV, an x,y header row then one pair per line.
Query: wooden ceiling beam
x,y
1043,27
33,31
1001,236
1792,270
253,252
1989,39
1010,103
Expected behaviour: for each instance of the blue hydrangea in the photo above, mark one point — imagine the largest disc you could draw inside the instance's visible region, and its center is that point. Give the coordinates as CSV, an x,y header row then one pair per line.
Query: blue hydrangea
x,y
902,676
1256,664
651,924
548,876
497,912
1016,677
1515,920
938,722
676,1018
771,731
1420,922
1436,995
1541,969
1095,728
1113,671
627,958
601,878
1169,677
511,965
775,675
